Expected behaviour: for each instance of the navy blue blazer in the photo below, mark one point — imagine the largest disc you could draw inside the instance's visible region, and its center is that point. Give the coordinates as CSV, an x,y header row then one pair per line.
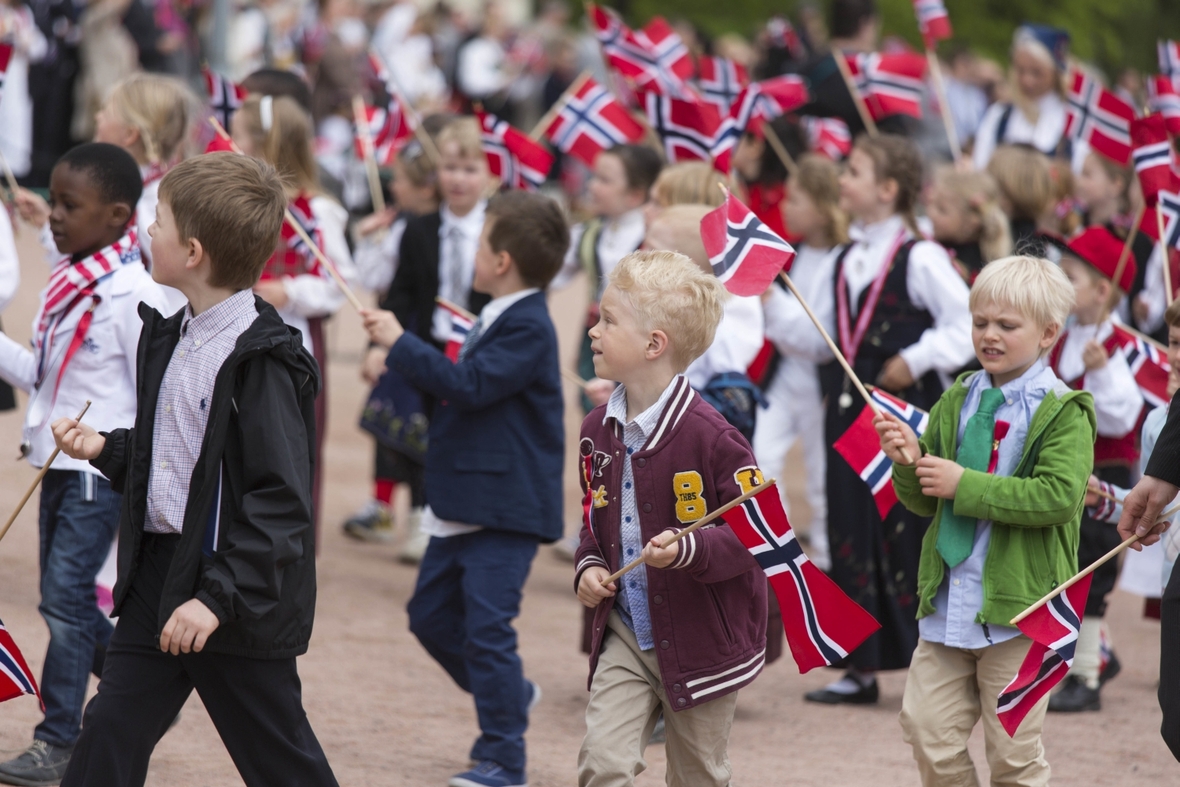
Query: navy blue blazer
x,y
497,436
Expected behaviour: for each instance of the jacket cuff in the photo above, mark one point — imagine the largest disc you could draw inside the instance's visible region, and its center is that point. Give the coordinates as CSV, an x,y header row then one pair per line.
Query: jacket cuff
x,y
584,563
106,457
969,497
689,549
208,600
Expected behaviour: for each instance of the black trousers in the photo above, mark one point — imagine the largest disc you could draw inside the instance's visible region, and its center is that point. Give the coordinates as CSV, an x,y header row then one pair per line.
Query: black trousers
x,y
256,704
1095,540
1169,692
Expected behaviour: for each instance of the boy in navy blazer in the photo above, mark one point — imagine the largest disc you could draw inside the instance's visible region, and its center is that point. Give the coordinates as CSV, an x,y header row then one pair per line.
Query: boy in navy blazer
x,y
493,474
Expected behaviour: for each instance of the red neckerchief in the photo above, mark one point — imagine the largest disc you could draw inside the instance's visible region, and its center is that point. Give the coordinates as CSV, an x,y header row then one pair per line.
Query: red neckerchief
x,y
849,341
292,257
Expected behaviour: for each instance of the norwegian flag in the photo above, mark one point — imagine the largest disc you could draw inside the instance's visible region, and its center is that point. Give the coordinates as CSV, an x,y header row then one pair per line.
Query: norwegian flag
x,y
225,96
1164,98
1169,206
1148,364
15,677
687,128
652,59
860,446
1100,118
889,84
389,130
461,323
1152,154
1053,629
590,122
669,50
746,256
515,159
760,102
721,81
822,624
1169,52
782,35
933,21
829,137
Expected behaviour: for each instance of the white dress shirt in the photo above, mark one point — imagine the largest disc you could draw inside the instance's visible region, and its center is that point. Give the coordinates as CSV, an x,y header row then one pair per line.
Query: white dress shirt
x,y
376,256
458,240
9,262
735,344
790,329
1117,398
618,238
1044,135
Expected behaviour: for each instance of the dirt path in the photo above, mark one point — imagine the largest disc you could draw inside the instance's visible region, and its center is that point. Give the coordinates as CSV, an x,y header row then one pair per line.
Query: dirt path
x,y
387,715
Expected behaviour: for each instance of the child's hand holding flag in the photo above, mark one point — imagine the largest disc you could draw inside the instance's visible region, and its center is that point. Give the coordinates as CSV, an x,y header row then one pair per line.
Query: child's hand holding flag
x,y
898,440
383,327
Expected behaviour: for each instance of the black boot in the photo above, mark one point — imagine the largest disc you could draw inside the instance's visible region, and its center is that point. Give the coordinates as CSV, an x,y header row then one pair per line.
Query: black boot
x,y
40,765
1075,697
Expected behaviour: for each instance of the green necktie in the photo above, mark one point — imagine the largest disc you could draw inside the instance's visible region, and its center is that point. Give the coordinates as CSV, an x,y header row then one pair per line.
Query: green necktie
x,y
956,533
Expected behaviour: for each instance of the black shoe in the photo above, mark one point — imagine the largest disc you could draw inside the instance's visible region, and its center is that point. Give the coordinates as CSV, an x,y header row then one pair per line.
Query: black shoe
x,y
1111,670
867,695
40,765
660,733
1075,697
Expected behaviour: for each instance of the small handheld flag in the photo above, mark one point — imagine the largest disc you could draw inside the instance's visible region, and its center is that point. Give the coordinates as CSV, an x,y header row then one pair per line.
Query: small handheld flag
x,y
860,445
745,254
592,121
1099,117
687,128
15,677
933,21
519,162
760,102
828,137
1169,55
1164,97
225,96
889,84
653,59
1148,364
461,324
1153,158
721,81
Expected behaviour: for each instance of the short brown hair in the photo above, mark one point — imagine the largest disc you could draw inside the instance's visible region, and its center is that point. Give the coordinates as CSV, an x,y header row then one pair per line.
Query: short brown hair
x,y
896,158
1172,315
232,204
532,230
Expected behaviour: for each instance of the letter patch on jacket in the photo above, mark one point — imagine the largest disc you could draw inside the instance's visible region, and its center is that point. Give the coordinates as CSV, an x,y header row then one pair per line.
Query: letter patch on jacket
x,y
593,463
689,490
749,478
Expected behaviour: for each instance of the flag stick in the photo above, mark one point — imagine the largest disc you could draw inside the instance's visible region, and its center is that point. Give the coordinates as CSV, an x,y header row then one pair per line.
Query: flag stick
x,y
573,378
555,110
780,149
36,481
392,87
1159,220
839,355
9,178
366,134
857,98
294,224
944,107
1088,570
1125,254
456,308
737,501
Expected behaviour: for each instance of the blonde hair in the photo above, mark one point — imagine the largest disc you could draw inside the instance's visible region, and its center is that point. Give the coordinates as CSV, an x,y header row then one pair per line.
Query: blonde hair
x,y
669,292
819,179
1024,179
464,132
689,183
1033,286
160,108
683,223
980,196
287,144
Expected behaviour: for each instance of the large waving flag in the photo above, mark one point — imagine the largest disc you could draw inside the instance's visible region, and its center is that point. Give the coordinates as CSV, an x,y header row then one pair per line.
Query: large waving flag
x,y
1148,364
590,122
889,84
1053,629
1164,98
933,21
1100,118
15,677
860,446
687,128
721,81
822,624
745,254
225,96
519,162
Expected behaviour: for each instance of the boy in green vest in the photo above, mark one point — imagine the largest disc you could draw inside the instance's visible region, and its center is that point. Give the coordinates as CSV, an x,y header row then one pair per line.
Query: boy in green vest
x,y
1002,468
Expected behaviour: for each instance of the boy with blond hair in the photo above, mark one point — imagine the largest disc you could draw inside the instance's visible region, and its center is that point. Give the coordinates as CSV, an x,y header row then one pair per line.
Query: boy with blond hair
x,y
1002,468
682,633
216,588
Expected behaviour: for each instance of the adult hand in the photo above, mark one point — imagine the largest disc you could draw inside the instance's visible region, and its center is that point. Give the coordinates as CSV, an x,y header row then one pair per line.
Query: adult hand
x,y
895,376
1142,508
188,629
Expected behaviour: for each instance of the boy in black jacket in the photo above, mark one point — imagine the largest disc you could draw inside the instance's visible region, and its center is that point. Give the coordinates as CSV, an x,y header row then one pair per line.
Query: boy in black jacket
x,y
216,587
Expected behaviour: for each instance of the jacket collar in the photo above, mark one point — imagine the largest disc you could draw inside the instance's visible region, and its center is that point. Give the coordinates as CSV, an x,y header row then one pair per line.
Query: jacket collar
x,y
658,421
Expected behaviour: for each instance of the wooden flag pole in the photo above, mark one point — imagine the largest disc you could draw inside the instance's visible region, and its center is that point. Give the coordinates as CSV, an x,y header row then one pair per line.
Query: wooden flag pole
x,y
944,107
1088,570
857,98
37,481
555,110
780,149
456,308
1159,220
294,224
732,504
1125,254
366,134
573,378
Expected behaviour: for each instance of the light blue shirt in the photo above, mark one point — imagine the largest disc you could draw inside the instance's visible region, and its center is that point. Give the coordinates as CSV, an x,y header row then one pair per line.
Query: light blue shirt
x,y
960,596
632,603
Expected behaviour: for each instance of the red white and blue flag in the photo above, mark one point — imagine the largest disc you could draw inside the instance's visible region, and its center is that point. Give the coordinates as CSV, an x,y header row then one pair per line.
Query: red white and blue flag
x,y
1164,97
590,122
890,84
828,137
823,625
933,21
781,34
1169,53
1148,363
746,255
687,128
721,81
760,102
1153,157
1100,118
16,679
652,59
389,129
1053,629
225,95
860,446
461,323
672,59
519,162
1169,205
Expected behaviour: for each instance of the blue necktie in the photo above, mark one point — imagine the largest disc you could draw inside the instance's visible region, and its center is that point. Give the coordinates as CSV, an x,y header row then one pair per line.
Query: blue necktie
x,y
472,337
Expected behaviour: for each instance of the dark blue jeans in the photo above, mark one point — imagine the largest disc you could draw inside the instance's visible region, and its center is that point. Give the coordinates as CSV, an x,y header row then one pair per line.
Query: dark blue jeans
x,y
79,518
468,593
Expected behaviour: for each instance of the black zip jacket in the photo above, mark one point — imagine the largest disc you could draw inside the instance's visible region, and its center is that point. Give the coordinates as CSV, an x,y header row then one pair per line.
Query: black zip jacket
x,y
247,549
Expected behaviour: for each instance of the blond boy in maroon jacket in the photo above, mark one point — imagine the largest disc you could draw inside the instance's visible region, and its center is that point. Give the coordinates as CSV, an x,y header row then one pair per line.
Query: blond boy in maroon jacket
x,y
682,633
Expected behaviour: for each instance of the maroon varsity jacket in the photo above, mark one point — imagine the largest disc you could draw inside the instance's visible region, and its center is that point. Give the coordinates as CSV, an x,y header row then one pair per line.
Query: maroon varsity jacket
x,y
708,609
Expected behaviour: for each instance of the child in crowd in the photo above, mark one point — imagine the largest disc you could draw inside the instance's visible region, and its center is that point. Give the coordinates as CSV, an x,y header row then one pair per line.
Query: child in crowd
x,y
1006,511
415,191
1026,193
437,260
686,183
9,284
216,587
1088,357
278,131
496,434
964,209
763,174
653,651
85,337
793,396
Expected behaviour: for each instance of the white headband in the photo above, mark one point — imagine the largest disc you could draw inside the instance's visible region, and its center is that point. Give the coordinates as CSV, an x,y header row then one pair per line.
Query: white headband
x,y
266,112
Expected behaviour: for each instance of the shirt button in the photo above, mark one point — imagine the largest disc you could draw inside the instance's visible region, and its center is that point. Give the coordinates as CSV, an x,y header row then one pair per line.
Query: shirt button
x,y
628,519
956,582
627,485
197,343
665,644
660,600
167,408
163,465
641,461
676,687
682,702
181,353
647,508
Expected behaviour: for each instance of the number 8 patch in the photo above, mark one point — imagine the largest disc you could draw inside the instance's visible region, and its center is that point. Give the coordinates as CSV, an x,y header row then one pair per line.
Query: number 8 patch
x,y
689,489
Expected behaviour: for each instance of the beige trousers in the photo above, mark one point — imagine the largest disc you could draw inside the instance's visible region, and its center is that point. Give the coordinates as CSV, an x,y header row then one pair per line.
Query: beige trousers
x,y
948,690
626,698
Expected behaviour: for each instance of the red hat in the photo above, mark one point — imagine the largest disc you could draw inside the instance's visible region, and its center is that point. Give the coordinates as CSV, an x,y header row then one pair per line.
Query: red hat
x,y
1101,249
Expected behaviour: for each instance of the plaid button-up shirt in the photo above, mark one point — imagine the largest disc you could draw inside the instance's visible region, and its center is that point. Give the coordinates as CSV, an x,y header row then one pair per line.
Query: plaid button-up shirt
x,y
182,410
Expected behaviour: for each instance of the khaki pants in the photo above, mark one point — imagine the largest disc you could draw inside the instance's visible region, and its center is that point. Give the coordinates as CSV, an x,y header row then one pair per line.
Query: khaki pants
x,y
948,690
626,698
